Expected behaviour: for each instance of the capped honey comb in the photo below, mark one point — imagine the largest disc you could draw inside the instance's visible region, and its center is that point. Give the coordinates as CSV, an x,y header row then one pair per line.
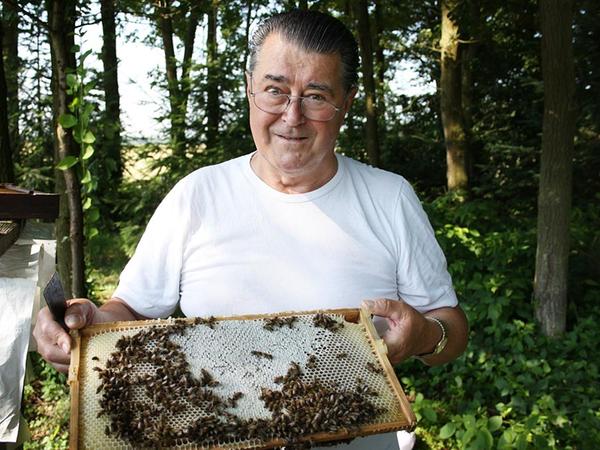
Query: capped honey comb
x,y
296,379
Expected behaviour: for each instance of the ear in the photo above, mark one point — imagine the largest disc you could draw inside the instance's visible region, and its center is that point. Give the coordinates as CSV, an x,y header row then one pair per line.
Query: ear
x,y
350,99
248,77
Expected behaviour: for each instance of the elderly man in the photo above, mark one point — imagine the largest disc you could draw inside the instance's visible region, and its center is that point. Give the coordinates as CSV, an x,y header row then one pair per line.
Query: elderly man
x,y
293,225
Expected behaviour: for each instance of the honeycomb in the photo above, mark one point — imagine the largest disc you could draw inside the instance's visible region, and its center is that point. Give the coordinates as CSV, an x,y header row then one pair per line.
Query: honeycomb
x,y
329,366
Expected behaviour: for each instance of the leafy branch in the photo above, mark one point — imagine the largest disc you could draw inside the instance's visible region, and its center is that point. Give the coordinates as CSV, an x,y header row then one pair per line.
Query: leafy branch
x,y
78,120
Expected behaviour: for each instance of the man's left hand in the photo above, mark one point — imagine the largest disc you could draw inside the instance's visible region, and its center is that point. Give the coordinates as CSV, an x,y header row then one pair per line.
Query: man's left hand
x,y
410,333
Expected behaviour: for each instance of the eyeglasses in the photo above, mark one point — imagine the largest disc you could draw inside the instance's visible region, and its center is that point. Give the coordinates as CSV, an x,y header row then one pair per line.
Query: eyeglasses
x,y
313,107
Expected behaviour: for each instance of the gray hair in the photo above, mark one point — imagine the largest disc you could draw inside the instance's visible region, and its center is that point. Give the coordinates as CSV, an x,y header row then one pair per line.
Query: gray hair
x,y
312,31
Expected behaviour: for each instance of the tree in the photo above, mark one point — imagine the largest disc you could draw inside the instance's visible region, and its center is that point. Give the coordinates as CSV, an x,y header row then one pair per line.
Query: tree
x,y
61,27
455,134
554,199
380,63
110,155
6,164
212,77
10,40
178,86
366,51
246,50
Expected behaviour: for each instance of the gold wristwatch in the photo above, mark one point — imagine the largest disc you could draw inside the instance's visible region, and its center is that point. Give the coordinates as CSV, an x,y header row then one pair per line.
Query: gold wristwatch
x,y
439,347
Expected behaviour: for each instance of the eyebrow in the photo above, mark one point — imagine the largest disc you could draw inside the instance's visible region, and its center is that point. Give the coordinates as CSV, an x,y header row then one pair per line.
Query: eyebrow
x,y
312,85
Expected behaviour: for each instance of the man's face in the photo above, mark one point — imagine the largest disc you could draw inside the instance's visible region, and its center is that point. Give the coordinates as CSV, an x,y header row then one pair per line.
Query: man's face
x,y
292,146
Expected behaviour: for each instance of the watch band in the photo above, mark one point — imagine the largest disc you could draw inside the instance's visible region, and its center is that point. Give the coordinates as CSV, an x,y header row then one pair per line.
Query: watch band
x,y
439,347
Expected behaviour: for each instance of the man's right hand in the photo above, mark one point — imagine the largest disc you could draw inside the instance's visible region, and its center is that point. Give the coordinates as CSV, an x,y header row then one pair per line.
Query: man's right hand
x,y
53,342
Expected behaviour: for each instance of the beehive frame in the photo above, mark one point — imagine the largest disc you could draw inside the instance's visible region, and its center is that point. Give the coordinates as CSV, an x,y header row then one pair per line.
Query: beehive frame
x,y
368,346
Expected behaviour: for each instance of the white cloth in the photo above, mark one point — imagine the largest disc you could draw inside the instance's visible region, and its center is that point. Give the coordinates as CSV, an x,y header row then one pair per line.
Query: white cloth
x,y
24,269
224,243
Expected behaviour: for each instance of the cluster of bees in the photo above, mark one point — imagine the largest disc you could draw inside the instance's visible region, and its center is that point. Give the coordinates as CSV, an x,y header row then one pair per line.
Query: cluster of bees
x,y
304,407
273,323
323,321
151,362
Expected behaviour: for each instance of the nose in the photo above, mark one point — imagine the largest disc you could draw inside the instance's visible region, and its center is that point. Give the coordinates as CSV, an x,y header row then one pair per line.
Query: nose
x,y
293,115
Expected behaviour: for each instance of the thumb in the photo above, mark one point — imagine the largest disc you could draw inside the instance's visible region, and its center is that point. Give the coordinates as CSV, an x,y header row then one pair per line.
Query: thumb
x,y
79,314
381,307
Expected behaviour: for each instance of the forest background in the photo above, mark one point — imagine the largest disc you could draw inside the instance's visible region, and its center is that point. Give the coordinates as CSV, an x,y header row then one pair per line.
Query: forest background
x,y
504,154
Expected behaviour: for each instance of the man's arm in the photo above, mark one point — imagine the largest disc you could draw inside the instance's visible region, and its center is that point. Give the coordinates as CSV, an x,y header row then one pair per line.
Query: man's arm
x,y
54,343
410,333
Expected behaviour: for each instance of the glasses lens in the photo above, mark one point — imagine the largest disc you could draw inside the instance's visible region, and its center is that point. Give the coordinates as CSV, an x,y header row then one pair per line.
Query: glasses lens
x,y
312,109
317,109
271,103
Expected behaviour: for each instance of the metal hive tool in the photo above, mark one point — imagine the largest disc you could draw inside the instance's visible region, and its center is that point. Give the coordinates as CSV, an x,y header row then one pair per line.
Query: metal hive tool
x,y
259,381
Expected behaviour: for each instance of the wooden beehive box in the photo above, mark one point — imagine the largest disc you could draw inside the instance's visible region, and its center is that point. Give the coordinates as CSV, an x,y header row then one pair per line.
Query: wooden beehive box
x,y
19,203
256,381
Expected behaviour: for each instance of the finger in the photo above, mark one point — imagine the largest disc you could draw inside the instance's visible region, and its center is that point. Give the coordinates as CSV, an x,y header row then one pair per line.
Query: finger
x,y
53,344
55,353
48,332
396,350
391,309
78,314
64,368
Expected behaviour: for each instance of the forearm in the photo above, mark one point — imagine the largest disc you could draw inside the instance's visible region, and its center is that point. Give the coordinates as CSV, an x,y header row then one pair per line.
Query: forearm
x,y
456,325
116,310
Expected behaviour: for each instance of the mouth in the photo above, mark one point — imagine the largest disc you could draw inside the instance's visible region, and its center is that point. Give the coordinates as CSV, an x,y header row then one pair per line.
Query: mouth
x,y
291,138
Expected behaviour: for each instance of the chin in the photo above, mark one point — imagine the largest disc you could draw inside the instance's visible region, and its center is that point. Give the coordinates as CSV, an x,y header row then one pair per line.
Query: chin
x,y
291,167
291,157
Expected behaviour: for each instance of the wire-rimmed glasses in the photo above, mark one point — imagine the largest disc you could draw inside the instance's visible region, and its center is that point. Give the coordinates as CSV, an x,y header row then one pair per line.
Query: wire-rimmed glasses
x,y
313,106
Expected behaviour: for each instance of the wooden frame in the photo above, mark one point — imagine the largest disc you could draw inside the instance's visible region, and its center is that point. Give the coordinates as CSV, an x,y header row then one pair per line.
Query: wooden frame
x,y
361,316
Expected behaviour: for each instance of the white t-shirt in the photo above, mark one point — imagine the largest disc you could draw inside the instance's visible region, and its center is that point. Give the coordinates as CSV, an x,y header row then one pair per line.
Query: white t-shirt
x,y
224,243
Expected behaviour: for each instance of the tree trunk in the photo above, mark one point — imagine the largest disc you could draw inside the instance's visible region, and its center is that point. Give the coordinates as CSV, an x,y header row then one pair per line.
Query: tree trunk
x,y
178,90
247,34
467,55
61,18
10,43
554,199
7,173
366,52
212,89
165,26
455,134
111,142
467,61
378,41
188,44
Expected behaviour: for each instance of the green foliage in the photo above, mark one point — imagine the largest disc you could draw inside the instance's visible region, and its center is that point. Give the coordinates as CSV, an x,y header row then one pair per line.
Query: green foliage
x,y
47,403
512,388
79,122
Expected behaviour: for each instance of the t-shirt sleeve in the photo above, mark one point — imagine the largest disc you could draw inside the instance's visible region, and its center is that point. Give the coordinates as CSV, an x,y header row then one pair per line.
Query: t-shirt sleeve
x,y
150,281
422,276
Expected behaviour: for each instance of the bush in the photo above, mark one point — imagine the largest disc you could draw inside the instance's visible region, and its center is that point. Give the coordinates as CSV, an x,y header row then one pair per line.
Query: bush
x,y
513,388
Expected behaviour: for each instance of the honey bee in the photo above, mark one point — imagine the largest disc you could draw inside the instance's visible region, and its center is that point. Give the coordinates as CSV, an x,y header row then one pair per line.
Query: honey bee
x,y
210,322
262,354
373,368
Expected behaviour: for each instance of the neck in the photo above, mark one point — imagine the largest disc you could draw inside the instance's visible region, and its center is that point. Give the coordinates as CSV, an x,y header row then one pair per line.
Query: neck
x,y
290,183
